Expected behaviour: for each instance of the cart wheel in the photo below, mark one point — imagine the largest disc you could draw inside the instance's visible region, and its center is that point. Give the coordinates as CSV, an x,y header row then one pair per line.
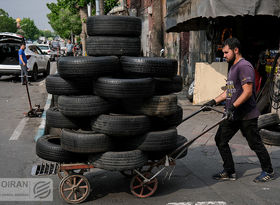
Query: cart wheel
x,y
65,173
143,189
62,174
74,189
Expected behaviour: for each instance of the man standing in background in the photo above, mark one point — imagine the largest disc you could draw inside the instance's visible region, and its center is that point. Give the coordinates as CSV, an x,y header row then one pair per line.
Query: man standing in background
x,y
23,64
69,48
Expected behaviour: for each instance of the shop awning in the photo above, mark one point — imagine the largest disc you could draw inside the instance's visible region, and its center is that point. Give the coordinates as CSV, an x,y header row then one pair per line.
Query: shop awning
x,y
186,15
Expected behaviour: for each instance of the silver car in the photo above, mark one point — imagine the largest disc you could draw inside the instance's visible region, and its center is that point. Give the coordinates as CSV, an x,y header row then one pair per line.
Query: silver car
x,y
37,61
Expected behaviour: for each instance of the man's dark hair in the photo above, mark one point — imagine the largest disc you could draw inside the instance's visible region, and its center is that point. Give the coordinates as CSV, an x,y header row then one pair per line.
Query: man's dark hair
x,y
232,43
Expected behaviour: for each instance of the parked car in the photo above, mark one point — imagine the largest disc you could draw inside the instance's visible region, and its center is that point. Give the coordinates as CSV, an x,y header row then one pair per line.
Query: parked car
x,y
37,62
47,50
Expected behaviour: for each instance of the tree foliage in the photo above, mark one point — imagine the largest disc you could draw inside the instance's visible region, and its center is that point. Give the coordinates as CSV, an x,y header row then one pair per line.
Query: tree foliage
x,y
30,31
109,4
72,5
65,23
7,24
46,33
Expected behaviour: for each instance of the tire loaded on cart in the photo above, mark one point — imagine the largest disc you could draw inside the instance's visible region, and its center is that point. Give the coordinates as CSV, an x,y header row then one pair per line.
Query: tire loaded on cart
x,y
117,112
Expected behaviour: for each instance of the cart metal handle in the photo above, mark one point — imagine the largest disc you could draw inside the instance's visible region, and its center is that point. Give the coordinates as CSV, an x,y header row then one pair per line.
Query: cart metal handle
x,y
201,109
187,144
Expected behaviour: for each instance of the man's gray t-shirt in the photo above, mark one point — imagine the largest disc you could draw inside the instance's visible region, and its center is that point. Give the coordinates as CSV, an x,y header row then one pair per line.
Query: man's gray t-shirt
x,y
239,74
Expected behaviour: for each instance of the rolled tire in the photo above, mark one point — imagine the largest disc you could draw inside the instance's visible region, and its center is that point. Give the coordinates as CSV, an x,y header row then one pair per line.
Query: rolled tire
x,y
85,141
162,105
151,141
114,26
83,105
124,88
164,122
58,86
149,67
121,125
166,86
270,137
48,147
156,155
267,120
87,67
119,161
54,118
111,45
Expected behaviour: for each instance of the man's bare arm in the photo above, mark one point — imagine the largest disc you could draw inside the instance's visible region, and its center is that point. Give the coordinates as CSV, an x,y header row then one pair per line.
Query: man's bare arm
x,y
246,94
221,97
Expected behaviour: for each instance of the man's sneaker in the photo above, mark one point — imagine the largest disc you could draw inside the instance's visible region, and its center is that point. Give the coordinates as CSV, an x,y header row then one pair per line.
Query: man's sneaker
x,y
223,175
264,177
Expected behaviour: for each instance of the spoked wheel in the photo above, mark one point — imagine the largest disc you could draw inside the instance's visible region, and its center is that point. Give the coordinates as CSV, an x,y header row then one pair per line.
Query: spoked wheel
x,y
74,189
143,189
65,173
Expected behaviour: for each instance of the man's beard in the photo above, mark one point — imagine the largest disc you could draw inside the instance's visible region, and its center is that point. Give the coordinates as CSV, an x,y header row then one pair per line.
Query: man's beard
x,y
232,60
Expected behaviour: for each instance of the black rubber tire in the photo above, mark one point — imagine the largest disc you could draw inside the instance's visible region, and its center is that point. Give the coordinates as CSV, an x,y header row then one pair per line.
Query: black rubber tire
x,y
87,67
166,86
48,148
85,141
275,128
270,137
149,67
83,105
59,86
124,88
267,120
152,141
161,105
114,26
121,125
111,45
173,120
54,118
156,155
119,161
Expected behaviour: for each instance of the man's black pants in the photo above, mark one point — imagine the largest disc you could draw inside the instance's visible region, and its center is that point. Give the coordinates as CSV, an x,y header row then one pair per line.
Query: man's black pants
x,y
249,129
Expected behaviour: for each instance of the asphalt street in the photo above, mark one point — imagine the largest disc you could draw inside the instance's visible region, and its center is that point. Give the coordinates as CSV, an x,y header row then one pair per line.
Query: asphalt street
x,y
190,183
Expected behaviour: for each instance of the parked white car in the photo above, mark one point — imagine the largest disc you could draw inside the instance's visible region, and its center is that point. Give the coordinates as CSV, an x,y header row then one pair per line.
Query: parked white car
x,y
37,61
47,50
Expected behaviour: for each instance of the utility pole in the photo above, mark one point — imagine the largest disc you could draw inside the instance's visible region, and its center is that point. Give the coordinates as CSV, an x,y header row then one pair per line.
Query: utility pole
x,y
101,7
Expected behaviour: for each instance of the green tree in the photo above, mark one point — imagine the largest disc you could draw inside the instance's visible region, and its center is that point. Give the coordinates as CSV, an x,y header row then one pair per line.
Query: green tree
x,y
30,31
67,24
109,4
46,33
7,24
76,7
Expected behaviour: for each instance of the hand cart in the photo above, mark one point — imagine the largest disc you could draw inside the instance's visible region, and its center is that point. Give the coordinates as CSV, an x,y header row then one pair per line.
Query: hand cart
x,y
74,187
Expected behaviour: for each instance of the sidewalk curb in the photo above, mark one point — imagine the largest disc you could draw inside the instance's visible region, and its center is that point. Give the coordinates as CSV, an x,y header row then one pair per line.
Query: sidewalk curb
x,y
41,129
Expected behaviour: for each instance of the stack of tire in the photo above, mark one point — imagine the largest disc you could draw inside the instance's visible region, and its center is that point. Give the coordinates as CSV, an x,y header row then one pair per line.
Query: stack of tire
x,y
116,109
269,125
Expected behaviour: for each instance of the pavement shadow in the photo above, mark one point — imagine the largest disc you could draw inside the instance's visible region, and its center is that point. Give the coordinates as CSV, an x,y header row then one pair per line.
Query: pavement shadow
x,y
192,172
197,168
16,79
